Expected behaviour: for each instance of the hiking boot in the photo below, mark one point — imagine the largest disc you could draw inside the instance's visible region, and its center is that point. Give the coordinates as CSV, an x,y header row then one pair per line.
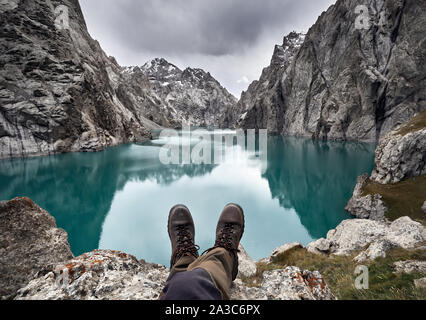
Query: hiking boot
x,y
229,232
182,233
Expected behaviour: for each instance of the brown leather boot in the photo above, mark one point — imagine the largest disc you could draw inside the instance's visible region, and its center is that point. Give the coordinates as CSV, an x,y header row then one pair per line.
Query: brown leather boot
x,y
229,232
182,234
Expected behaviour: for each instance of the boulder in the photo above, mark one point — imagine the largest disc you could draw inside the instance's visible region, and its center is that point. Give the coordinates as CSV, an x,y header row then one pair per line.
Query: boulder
x,y
290,283
410,266
420,283
400,156
367,207
373,238
98,275
284,248
406,233
37,260
375,250
58,88
29,241
246,265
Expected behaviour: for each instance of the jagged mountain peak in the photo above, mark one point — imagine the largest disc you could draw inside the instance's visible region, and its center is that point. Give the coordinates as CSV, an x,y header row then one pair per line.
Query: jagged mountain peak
x,y
196,75
191,95
293,39
159,64
284,53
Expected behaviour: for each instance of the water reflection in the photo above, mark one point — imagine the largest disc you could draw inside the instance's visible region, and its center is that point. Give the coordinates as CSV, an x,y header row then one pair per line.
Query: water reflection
x,y
119,198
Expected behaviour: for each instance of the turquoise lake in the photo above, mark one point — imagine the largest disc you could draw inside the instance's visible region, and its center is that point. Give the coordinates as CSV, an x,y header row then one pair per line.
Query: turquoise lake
x,y
120,198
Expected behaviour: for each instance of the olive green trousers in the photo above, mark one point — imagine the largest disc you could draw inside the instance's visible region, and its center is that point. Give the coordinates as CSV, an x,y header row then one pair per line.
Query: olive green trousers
x,y
218,262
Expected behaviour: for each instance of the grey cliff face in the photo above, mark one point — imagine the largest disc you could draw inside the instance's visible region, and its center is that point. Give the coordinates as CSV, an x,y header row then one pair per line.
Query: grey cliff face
x,y
344,82
400,156
262,105
29,241
191,95
57,86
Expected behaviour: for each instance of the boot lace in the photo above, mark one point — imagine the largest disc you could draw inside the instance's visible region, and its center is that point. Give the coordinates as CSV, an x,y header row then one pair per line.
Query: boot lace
x,y
225,239
185,243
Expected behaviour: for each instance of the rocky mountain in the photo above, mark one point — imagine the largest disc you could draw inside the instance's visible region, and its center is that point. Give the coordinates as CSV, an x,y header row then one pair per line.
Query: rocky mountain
x,y
360,72
265,94
60,92
58,88
191,95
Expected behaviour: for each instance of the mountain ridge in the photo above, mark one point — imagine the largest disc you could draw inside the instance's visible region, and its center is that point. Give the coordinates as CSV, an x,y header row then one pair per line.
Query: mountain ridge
x,y
60,92
346,82
191,95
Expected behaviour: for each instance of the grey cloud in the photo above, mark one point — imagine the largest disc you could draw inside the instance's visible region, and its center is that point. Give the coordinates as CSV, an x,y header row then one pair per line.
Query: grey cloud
x,y
231,39
212,27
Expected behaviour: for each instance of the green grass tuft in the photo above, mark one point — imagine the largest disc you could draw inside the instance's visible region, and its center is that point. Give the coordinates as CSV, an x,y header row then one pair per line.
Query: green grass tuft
x,y
404,198
415,124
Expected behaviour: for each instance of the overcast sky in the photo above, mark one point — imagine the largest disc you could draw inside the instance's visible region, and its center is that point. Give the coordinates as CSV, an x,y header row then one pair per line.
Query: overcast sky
x,y
232,39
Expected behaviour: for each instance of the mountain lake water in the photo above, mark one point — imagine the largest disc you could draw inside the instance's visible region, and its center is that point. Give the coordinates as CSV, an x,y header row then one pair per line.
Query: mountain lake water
x,y
120,198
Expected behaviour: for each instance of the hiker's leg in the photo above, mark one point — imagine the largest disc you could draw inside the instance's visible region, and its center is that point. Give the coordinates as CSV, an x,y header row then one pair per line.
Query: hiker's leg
x,y
210,276
191,285
182,264
221,261
219,264
207,278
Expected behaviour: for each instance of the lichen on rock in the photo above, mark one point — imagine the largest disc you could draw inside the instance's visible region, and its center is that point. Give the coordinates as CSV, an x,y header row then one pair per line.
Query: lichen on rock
x,y
98,275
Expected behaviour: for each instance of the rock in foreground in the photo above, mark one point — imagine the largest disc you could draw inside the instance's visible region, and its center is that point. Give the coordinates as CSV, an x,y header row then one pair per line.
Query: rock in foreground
x,y
114,275
376,236
290,283
98,275
29,240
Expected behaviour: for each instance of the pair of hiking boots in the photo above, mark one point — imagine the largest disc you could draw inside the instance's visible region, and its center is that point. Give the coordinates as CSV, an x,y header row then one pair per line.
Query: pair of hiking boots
x,y
229,232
